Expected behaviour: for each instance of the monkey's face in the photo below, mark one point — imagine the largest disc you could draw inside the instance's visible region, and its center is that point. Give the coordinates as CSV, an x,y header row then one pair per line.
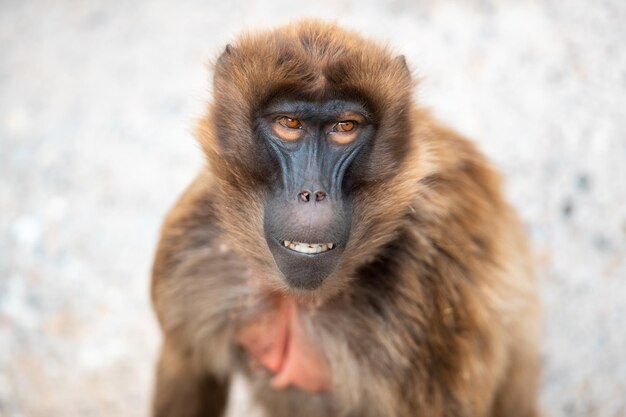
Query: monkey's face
x,y
308,140
307,216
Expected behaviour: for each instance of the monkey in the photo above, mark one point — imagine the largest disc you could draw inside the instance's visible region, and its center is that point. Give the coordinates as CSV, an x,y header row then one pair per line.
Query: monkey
x,y
341,250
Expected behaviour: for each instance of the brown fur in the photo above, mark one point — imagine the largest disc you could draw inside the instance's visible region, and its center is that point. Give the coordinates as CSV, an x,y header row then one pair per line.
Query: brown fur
x,y
432,310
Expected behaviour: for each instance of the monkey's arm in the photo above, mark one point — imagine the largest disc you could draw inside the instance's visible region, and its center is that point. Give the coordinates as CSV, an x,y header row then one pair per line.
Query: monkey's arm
x,y
194,292
180,392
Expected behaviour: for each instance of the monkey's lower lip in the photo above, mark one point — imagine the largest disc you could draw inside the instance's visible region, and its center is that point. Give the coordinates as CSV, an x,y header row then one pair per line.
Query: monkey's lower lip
x,y
308,248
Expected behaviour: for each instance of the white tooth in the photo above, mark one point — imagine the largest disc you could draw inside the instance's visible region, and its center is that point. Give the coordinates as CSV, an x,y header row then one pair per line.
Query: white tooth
x,y
308,247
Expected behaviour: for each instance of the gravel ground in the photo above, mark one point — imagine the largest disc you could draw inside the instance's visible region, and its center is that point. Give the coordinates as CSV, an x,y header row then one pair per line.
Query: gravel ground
x,y
96,103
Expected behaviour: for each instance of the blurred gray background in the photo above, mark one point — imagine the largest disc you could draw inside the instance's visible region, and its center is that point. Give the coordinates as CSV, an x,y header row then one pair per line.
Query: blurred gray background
x,y
97,101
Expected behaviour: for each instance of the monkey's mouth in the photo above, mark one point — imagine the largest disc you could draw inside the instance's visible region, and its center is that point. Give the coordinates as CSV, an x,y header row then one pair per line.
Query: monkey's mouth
x,y
308,248
305,265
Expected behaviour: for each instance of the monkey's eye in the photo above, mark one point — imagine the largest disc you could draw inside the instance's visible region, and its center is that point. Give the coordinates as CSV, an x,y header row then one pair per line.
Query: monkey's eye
x,y
344,132
287,128
290,123
345,126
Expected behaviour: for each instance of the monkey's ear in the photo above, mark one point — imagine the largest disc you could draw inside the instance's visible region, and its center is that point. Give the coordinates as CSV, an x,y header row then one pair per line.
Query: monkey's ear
x,y
224,58
400,60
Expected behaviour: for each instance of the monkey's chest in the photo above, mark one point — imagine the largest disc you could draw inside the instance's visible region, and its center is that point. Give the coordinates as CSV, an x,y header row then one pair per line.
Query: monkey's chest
x,y
278,342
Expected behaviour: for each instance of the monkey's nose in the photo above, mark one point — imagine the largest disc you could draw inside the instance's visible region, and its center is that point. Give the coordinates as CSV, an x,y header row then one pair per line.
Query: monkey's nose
x,y
305,195
320,195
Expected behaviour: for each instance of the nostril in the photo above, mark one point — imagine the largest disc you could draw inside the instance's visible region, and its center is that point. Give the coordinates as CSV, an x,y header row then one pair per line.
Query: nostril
x,y
304,196
320,195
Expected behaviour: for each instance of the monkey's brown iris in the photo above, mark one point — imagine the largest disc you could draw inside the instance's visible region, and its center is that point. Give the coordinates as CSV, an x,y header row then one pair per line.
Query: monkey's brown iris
x,y
345,126
289,122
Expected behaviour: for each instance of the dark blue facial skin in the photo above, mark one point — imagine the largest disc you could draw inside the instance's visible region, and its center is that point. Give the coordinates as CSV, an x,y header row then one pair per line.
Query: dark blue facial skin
x,y
308,203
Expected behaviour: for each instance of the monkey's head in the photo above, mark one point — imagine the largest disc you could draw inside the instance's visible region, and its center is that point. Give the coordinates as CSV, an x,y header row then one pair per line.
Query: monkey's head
x,y
309,140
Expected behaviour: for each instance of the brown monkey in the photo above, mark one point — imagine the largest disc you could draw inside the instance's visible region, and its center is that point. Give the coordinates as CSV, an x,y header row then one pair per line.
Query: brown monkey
x,y
342,250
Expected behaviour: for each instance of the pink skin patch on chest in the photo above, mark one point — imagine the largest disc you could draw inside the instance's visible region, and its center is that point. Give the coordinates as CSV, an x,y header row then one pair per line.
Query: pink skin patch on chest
x,y
278,342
